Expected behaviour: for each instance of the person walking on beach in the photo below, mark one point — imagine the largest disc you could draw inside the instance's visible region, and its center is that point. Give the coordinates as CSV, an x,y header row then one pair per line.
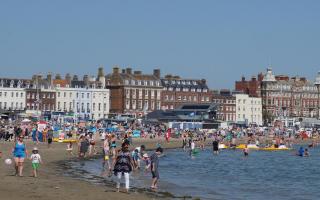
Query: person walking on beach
x,y
154,167
83,146
19,153
123,165
49,136
106,158
36,160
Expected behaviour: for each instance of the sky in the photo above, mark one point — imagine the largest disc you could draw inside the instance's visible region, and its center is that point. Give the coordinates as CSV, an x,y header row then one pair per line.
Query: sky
x,y
216,40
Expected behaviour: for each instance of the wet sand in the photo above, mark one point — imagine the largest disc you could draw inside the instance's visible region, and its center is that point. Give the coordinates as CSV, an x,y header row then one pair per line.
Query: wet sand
x,y
51,184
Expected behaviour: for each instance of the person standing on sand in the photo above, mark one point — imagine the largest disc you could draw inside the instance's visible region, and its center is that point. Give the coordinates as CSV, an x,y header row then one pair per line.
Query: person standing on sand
x,y
19,152
123,165
36,160
154,167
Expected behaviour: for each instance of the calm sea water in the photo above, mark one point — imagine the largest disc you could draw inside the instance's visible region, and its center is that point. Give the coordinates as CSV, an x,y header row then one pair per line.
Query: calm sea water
x,y
262,175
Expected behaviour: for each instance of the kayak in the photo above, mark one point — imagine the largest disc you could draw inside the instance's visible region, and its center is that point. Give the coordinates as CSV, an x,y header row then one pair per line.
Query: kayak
x,y
249,146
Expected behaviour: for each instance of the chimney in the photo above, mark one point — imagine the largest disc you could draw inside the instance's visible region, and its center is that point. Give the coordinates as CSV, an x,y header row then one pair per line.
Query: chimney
x,y
86,79
254,78
129,71
75,78
49,78
176,77
100,72
260,77
68,78
123,71
203,81
58,77
137,72
168,76
156,73
243,78
115,70
34,77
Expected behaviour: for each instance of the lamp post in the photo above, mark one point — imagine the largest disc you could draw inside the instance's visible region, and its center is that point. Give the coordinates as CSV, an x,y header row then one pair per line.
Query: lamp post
x,y
317,84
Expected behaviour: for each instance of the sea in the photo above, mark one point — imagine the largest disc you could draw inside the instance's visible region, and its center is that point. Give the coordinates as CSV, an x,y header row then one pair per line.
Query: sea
x,y
229,175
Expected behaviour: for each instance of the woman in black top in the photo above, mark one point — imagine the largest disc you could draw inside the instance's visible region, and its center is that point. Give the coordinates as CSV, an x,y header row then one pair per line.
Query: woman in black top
x,y
123,165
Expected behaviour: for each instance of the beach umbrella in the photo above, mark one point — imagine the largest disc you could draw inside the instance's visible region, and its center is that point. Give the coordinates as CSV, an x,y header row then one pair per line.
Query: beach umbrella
x,y
26,120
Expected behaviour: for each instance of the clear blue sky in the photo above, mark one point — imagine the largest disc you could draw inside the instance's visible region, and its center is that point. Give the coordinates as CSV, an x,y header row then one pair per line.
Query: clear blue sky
x,y
216,40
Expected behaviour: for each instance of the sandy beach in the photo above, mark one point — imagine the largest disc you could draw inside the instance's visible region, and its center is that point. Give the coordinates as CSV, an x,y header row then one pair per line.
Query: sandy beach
x,y
51,184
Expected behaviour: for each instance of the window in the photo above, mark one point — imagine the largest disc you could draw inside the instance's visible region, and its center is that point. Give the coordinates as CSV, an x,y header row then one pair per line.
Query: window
x,y
93,106
11,94
104,107
140,104
99,107
146,93
58,94
65,106
17,94
70,95
195,99
82,95
58,105
88,107
88,95
179,98
21,106
70,106
134,106
64,94
21,95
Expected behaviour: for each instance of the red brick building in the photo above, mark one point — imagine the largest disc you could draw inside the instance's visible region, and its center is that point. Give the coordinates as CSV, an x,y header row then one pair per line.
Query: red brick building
x,y
251,87
227,105
134,92
178,91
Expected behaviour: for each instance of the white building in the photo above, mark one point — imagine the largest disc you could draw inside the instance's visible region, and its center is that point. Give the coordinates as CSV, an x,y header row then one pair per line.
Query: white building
x,y
85,102
248,109
12,95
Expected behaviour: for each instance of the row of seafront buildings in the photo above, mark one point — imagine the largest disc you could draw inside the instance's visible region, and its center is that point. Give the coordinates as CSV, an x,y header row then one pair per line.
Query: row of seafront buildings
x,y
255,101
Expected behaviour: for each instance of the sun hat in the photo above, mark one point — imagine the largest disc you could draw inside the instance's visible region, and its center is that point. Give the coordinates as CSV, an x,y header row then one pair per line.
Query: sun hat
x,y
145,155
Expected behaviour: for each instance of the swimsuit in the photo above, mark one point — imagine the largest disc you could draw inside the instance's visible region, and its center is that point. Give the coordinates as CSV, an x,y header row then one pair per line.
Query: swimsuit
x,y
19,151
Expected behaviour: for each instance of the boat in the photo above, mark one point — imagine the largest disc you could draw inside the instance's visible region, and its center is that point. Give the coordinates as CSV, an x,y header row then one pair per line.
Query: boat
x,y
64,140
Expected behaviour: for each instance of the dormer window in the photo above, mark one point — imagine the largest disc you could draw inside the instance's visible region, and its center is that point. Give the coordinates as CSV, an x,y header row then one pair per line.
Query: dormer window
x,y
126,82
151,83
145,82
139,82
11,83
67,86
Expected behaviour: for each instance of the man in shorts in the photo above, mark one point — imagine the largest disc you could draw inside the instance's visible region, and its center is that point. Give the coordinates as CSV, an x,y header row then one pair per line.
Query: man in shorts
x,y
154,167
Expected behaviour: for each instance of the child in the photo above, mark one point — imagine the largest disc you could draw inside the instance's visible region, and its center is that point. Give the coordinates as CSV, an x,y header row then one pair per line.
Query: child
x,y
306,153
135,157
70,148
36,160
147,161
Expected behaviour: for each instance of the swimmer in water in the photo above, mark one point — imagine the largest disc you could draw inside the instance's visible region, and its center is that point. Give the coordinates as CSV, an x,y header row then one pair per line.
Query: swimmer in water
x,y
246,151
